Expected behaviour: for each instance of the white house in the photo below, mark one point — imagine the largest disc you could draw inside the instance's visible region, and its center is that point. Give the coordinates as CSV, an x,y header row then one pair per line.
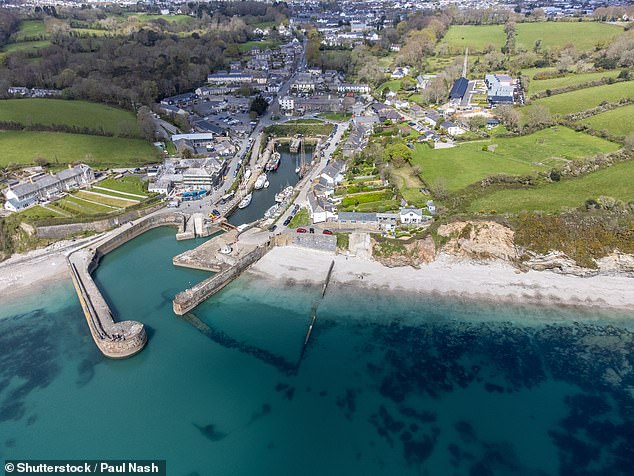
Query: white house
x,y
333,172
287,103
452,129
410,216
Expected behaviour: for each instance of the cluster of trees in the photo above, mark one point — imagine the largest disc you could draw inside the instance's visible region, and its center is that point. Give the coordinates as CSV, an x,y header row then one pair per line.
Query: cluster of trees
x,y
129,70
9,24
421,33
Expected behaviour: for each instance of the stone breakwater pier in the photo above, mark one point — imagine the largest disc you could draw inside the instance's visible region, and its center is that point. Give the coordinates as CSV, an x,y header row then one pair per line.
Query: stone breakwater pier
x,y
116,340
223,254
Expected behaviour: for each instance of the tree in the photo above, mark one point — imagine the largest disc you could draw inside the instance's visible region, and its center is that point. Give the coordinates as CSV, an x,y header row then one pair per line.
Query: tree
x,y
439,188
510,30
509,116
476,122
629,142
259,105
397,153
145,120
538,116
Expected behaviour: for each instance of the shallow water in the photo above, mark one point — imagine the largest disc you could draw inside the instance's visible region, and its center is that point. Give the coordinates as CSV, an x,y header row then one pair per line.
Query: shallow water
x,y
388,384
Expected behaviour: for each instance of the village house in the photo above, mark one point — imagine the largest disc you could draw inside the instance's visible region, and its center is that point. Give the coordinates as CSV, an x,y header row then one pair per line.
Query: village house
x,y
411,216
46,186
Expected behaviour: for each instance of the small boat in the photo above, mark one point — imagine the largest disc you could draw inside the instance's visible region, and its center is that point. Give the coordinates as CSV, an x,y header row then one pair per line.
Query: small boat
x,y
247,174
271,211
259,183
246,201
273,163
284,194
266,184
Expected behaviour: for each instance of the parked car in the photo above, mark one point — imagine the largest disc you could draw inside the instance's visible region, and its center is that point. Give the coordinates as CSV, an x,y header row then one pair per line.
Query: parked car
x,y
327,232
301,230
287,221
272,227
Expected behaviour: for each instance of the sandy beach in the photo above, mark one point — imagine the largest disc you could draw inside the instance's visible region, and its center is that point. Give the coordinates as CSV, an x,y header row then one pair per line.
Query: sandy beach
x,y
32,272
495,280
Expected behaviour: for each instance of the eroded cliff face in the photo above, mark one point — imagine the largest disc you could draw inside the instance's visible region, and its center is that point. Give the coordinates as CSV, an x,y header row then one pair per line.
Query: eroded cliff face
x,y
483,240
487,240
405,254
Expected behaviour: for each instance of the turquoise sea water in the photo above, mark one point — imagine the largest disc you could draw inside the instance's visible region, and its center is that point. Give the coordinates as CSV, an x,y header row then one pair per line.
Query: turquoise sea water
x,y
389,383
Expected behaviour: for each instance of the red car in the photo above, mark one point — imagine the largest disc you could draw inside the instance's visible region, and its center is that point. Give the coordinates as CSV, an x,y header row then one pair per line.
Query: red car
x,y
301,230
327,232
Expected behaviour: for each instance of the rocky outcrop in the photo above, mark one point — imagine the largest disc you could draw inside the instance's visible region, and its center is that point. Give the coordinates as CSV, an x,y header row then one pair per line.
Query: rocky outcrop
x,y
485,240
617,263
555,261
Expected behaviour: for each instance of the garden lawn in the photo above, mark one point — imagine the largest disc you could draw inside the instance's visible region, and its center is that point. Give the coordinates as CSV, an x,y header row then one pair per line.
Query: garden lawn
x,y
262,45
393,85
618,122
59,148
37,212
538,85
130,184
69,113
111,201
467,163
583,99
615,181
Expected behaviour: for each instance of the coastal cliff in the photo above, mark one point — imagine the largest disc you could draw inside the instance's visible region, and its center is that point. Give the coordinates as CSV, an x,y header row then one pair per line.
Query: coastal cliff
x,y
481,241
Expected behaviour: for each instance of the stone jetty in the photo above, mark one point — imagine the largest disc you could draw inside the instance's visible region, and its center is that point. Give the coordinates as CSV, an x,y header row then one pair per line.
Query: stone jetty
x,y
123,339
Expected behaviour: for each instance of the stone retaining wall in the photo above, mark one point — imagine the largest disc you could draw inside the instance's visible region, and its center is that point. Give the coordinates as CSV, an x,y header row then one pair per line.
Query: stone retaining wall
x,y
100,226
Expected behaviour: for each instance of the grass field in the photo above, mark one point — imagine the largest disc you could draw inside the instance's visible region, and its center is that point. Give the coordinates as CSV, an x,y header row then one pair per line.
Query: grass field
x,y
537,86
262,45
409,185
583,35
336,116
615,181
169,18
29,29
60,148
70,113
588,98
26,46
618,122
468,163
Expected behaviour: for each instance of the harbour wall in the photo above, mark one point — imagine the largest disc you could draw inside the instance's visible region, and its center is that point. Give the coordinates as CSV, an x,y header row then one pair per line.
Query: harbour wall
x,y
190,298
116,340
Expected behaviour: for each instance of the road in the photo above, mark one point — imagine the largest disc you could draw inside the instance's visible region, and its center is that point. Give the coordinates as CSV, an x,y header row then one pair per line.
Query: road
x,y
306,183
207,204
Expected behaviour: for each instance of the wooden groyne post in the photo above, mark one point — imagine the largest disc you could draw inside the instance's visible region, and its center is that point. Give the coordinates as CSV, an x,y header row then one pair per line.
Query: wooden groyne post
x,y
323,291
